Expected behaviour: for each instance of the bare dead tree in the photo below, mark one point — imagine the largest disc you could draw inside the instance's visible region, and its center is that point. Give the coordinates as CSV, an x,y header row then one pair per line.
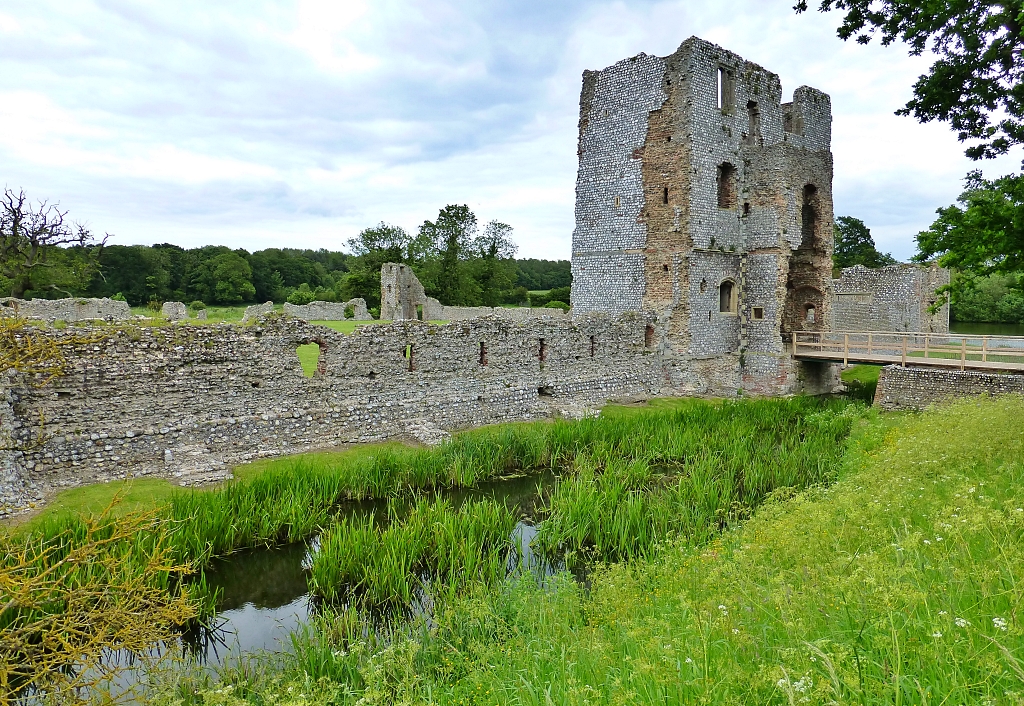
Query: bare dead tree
x,y
29,232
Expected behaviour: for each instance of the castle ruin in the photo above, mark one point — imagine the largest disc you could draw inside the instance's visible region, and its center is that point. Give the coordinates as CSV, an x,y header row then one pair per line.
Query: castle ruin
x,y
706,202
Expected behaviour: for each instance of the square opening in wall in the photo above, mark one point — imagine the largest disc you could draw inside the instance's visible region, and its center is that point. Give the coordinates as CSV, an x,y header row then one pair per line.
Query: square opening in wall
x,y
758,313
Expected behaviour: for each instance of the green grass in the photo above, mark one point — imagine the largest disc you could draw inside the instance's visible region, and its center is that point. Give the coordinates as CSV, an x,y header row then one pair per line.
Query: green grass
x,y
862,381
433,545
93,499
899,584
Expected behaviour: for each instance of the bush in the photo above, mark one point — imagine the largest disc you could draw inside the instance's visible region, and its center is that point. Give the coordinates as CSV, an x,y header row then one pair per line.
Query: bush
x,y
350,312
197,305
119,297
557,305
558,294
302,295
155,305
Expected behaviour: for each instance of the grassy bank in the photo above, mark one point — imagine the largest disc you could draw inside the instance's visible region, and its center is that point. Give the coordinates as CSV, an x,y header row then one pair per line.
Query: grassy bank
x,y
898,584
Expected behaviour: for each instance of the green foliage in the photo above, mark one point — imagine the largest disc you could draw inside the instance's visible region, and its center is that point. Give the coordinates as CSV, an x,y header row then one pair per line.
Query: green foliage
x,y
555,304
974,83
559,294
898,584
119,297
197,305
536,275
302,295
432,545
985,233
992,299
855,246
861,382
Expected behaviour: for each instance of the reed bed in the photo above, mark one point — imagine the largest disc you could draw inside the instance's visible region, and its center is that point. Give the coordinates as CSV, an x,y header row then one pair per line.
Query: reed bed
x,y
686,473
386,563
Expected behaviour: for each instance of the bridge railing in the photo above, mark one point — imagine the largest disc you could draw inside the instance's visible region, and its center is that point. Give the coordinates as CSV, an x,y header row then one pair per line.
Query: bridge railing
x,y
945,349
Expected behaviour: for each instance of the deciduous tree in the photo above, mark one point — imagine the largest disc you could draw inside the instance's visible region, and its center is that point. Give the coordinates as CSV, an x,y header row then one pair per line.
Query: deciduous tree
x,y
975,83
855,246
29,234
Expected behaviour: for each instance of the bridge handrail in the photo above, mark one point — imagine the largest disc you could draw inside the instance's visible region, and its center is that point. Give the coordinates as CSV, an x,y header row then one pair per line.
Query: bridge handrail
x,y
906,343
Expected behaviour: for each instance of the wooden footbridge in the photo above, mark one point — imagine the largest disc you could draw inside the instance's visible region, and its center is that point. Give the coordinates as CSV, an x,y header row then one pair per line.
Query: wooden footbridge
x,y
936,350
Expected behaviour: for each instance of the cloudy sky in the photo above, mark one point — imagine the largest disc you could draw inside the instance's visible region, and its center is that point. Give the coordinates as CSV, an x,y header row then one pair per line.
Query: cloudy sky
x,y
255,123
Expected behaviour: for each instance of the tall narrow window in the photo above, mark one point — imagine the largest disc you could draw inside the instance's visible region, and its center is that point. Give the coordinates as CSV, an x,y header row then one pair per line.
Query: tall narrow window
x,y
726,185
754,126
809,217
810,313
649,336
593,346
664,196
727,297
725,93
542,354
483,353
408,356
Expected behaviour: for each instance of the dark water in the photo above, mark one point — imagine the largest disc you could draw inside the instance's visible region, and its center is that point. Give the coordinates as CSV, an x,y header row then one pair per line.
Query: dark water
x,y
983,329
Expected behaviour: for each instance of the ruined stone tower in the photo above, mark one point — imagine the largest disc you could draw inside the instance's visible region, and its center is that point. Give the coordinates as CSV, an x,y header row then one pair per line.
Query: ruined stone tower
x,y
705,202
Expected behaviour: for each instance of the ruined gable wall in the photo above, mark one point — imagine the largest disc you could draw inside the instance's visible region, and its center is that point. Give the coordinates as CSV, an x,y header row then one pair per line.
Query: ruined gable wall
x,y
329,311
608,262
892,298
187,401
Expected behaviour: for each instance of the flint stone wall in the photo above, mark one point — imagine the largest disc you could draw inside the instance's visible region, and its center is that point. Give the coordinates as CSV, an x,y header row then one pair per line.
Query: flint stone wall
x,y
329,311
893,298
256,310
917,388
174,311
186,402
66,309
519,313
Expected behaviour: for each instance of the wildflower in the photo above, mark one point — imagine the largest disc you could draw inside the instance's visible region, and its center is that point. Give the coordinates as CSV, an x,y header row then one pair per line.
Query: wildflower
x,y
723,609
942,612
999,623
689,661
962,622
938,539
735,631
936,634
927,542
971,489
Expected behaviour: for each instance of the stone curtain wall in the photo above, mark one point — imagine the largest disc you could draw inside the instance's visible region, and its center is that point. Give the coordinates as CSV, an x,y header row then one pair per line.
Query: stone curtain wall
x,y
893,298
917,388
186,402
66,309
329,311
519,313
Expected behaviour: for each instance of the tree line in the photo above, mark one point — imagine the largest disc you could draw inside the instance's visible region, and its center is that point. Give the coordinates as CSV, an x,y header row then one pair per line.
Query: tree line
x,y
43,255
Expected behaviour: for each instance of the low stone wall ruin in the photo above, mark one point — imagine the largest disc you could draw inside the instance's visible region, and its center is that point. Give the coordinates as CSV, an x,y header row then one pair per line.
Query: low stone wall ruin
x,y
329,311
69,310
917,388
186,402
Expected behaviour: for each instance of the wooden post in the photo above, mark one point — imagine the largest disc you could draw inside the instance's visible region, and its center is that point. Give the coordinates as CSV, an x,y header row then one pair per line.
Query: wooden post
x,y
904,361
846,349
963,353
926,346
984,349
869,344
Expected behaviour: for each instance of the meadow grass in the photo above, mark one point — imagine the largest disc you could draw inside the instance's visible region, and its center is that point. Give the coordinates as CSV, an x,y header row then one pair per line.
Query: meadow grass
x,y
862,381
132,495
899,584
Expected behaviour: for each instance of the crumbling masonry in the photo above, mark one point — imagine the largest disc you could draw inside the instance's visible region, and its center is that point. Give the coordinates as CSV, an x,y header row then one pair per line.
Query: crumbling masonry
x,y
704,200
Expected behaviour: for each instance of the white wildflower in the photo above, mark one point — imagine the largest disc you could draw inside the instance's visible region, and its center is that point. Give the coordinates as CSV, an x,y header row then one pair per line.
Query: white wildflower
x,y
962,622
689,660
999,623
735,631
936,634
942,612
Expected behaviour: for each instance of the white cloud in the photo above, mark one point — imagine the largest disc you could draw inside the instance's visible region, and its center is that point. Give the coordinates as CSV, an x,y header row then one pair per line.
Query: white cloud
x,y
255,123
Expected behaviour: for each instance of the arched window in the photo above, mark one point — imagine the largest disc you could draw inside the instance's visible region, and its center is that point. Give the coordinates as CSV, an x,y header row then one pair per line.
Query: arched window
x,y
810,313
727,297
726,185
809,217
